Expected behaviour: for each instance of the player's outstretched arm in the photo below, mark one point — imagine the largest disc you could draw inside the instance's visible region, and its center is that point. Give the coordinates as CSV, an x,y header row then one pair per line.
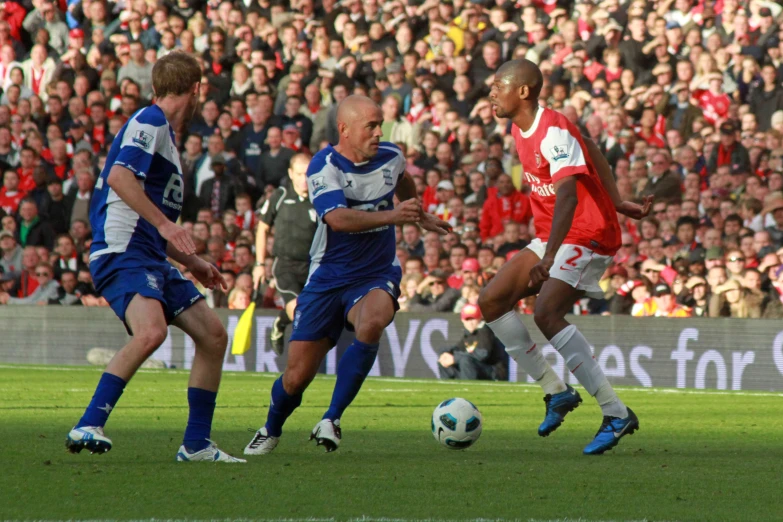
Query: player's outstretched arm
x,y
629,208
349,220
565,207
406,189
128,188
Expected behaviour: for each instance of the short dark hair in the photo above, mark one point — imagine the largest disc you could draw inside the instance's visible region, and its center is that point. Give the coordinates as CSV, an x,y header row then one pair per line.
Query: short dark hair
x,y
734,218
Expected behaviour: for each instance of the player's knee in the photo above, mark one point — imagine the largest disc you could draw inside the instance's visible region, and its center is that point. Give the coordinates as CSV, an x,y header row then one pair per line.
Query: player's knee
x,y
219,339
151,338
543,315
370,329
489,304
296,379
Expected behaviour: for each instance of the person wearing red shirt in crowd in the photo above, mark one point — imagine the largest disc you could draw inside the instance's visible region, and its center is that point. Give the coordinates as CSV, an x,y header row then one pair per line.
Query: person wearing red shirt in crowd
x,y
729,151
61,163
28,159
457,256
10,195
508,204
646,130
100,127
429,200
714,102
575,205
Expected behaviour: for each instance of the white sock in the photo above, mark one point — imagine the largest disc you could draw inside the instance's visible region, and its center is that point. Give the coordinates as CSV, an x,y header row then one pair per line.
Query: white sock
x,y
574,348
515,337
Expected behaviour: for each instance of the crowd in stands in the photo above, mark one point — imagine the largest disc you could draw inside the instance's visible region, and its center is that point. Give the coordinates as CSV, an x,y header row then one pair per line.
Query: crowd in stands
x,y
684,97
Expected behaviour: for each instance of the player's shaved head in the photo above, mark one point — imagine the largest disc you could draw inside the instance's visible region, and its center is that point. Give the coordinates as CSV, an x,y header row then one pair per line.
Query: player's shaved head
x,y
359,122
521,72
516,88
353,107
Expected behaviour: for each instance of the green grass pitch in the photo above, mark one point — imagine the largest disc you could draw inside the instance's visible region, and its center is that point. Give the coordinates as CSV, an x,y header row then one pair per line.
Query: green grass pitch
x,y
698,455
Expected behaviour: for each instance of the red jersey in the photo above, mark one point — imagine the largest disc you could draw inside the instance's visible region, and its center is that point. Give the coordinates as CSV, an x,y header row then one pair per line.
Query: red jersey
x,y
9,201
549,151
716,107
499,210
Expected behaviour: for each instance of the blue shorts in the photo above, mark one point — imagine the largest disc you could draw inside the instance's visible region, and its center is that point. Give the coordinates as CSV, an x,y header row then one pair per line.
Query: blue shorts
x,y
321,314
154,279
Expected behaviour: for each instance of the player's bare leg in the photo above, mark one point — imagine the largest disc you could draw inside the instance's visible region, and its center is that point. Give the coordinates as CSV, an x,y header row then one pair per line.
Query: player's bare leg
x,y
369,317
209,334
304,359
497,302
211,339
277,334
146,320
554,301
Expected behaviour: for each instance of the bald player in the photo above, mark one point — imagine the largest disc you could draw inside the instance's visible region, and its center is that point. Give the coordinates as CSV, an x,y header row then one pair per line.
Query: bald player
x,y
575,203
354,273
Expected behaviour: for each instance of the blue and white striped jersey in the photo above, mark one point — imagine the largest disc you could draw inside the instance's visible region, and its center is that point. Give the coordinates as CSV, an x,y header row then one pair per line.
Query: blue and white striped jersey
x,y
145,146
340,258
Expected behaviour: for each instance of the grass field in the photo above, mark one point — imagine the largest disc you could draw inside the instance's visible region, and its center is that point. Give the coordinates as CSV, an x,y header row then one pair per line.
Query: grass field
x,y
698,456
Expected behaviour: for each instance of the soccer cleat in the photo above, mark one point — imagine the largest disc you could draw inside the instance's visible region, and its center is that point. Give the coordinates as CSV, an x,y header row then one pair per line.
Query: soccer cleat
x,y
90,438
327,433
557,407
262,443
209,454
611,431
277,337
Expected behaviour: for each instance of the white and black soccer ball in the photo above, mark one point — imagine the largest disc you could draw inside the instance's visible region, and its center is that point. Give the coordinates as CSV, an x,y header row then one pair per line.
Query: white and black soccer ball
x,y
456,423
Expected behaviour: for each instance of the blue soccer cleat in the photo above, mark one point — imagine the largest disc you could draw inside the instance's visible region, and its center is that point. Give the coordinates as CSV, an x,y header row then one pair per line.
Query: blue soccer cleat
x,y
611,431
557,407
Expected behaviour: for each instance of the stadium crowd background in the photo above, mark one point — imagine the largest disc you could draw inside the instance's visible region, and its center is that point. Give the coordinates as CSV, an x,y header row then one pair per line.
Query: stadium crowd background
x,y
684,97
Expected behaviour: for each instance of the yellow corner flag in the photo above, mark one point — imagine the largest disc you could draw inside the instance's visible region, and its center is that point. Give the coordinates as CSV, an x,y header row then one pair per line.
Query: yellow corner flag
x,y
241,342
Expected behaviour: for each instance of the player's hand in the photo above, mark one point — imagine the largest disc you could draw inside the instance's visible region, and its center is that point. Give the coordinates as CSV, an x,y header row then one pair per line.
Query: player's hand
x,y
178,237
540,272
434,224
4,297
208,275
635,210
409,211
259,274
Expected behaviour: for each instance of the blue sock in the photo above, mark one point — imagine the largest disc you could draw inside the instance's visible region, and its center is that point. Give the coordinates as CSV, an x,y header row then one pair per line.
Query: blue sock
x,y
202,407
106,395
354,366
281,407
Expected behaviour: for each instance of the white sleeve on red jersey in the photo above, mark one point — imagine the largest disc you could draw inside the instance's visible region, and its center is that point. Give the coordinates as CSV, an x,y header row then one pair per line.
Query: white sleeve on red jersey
x,y
564,153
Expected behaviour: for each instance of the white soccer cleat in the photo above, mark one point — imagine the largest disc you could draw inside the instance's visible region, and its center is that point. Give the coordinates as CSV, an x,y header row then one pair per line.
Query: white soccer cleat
x,y
327,433
90,438
262,443
209,454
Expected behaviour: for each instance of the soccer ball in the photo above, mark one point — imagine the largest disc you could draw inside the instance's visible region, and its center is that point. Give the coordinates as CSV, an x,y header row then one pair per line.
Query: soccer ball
x,y
456,423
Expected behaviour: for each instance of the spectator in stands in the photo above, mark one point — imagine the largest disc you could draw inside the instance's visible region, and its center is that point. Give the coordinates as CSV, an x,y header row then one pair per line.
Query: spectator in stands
x,y
274,160
33,231
508,204
77,201
661,183
412,241
728,300
434,295
11,259
729,151
218,192
57,211
478,355
45,289
68,293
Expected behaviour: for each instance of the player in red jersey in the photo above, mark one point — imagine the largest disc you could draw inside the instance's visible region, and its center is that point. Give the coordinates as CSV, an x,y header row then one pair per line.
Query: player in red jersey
x,y
575,209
